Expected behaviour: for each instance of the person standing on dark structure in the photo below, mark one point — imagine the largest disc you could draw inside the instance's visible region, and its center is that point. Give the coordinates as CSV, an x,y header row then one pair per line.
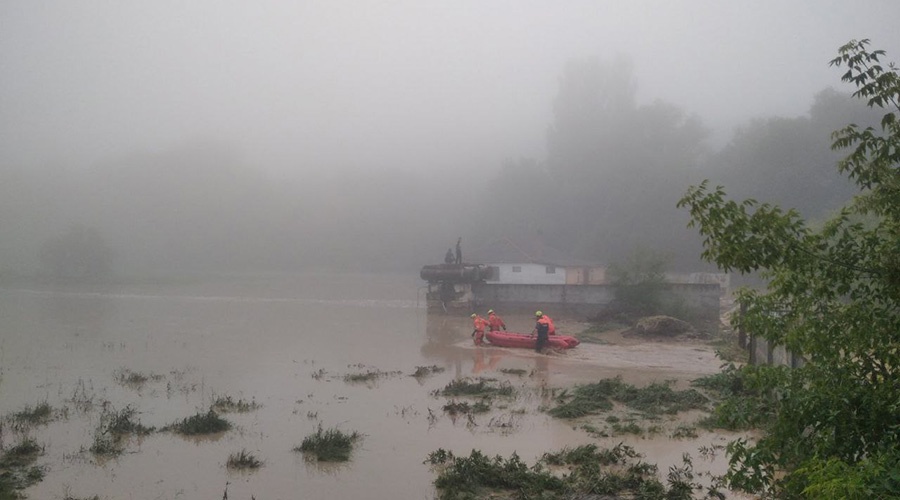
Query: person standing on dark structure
x,y
448,259
543,327
459,250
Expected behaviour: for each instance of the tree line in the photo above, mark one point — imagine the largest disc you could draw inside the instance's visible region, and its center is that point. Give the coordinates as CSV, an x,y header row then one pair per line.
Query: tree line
x,y
607,188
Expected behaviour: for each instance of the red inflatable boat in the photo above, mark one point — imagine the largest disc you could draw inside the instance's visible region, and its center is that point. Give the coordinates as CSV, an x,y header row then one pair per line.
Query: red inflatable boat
x,y
510,339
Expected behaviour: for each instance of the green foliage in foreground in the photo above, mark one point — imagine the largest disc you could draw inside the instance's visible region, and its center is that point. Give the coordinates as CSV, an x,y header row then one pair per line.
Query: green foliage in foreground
x,y
743,396
653,399
833,295
583,472
330,445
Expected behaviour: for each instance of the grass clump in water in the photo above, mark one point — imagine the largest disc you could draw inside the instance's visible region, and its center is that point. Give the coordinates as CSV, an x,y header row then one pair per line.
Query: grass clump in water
x,y
469,477
651,400
133,379
225,404
627,428
590,472
425,371
243,460
200,424
332,445
22,454
479,387
18,471
464,408
114,427
367,376
40,414
684,432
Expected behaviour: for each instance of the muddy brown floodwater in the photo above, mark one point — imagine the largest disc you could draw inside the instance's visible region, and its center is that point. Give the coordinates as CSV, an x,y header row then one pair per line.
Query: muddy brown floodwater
x,y
286,343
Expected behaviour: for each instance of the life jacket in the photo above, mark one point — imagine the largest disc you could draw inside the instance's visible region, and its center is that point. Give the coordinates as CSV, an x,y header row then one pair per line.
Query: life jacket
x,y
496,322
542,323
479,323
551,329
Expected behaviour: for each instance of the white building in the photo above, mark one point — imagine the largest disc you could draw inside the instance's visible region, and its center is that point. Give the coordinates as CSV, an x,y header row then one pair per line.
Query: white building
x,y
534,263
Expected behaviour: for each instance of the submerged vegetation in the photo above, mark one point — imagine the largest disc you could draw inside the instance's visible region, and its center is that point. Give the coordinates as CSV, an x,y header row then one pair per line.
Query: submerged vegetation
x,y
225,404
652,400
582,472
479,387
200,424
425,371
332,445
39,414
133,379
243,460
17,471
114,427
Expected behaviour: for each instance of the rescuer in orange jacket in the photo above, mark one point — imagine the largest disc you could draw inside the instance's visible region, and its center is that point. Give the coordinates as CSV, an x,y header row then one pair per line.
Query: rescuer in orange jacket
x,y
551,329
495,322
479,323
543,327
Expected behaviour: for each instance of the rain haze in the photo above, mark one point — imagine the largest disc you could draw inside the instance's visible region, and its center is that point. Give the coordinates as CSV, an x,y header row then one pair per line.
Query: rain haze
x,y
396,104
225,214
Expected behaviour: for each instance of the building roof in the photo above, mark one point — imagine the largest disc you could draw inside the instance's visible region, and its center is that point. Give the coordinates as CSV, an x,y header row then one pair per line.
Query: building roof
x,y
505,250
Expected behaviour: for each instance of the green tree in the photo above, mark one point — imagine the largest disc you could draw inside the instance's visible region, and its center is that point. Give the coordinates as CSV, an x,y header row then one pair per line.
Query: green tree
x,y
638,281
617,165
834,295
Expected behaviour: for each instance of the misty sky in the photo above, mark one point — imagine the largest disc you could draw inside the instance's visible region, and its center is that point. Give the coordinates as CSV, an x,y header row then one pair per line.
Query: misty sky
x,y
301,86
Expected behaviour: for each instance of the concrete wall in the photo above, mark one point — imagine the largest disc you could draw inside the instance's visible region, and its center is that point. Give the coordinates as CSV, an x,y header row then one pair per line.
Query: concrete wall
x,y
529,274
700,300
586,276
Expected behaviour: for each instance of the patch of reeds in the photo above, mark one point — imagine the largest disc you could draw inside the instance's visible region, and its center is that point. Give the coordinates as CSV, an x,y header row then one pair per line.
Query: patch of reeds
x,y
590,453
226,404
133,379
466,477
22,454
243,460
684,432
594,430
124,422
591,473
200,424
627,428
652,400
463,407
480,387
39,414
425,371
332,445
114,427
18,472
367,376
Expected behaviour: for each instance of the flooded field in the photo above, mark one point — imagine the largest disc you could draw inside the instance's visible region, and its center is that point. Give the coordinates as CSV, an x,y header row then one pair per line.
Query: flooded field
x,y
291,347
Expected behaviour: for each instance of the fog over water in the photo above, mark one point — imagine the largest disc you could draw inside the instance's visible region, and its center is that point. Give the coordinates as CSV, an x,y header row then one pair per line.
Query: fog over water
x,y
363,128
